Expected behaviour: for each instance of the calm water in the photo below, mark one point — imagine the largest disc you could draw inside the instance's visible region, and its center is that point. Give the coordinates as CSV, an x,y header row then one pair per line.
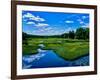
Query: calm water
x,y
47,58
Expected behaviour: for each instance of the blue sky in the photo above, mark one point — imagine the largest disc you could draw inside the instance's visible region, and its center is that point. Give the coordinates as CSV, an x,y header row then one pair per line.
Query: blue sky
x,y
52,23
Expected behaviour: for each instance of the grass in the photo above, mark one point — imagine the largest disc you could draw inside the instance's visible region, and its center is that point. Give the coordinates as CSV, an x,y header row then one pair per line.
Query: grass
x,y
68,49
29,49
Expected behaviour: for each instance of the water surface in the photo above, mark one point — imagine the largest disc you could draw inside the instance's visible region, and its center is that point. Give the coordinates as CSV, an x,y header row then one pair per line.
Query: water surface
x,y
47,58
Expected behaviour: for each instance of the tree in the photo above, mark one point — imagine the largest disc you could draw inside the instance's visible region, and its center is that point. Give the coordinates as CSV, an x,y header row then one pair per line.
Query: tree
x,y
24,37
65,35
71,34
87,33
80,33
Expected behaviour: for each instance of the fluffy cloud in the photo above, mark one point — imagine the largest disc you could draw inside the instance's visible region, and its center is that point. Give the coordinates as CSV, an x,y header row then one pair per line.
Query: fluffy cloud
x,y
30,23
37,18
85,26
84,17
41,25
68,21
27,15
67,29
33,17
47,29
44,31
80,21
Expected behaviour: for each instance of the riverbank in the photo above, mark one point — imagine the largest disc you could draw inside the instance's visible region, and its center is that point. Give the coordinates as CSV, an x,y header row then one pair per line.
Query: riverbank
x,y
49,59
67,49
70,51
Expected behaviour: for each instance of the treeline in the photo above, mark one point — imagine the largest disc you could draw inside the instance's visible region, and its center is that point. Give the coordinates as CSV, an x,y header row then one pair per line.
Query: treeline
x,y
80,33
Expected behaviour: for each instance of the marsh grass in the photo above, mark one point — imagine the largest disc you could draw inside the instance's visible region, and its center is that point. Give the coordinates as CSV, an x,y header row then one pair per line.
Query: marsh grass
x,y
68,49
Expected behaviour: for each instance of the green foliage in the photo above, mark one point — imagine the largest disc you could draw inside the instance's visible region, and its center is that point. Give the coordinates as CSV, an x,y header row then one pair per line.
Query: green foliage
x,y
24,35
70,50
87,33
65,35
71,34
82,33
29,49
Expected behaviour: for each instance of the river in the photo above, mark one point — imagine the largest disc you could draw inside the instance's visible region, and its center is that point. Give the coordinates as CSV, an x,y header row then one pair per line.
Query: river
x,y
48,58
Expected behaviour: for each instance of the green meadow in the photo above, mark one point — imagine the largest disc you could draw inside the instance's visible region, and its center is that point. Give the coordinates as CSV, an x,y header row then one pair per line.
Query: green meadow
x,y
68,49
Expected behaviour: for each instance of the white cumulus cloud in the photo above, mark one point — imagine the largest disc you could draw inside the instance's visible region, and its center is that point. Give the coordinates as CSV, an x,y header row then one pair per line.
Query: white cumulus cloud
x,y
67,30
68,21
41,25
37,18
33,17
30,23
28,15
85,26
80,21
84,17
